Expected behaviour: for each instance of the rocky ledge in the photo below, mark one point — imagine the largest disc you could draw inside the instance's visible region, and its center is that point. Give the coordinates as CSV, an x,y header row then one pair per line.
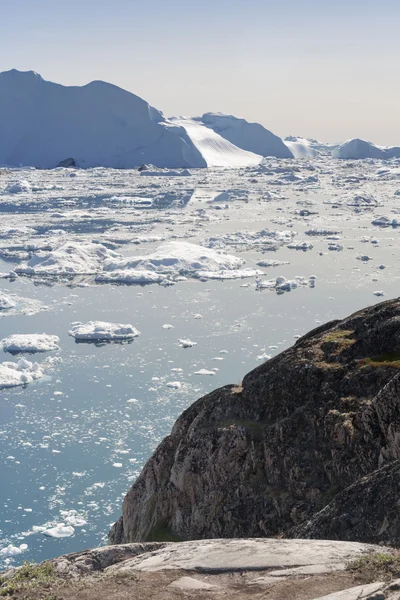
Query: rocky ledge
x,y
217,569
306,446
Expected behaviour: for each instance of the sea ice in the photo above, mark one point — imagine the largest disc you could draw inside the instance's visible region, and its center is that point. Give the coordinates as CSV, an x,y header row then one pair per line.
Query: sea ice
x,y
186,343
102,330
174,258
30,343
21,373
59,531
204,372
11,550
69,258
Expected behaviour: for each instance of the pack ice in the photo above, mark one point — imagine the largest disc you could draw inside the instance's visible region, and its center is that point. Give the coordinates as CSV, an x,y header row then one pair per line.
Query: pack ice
x,y
102,331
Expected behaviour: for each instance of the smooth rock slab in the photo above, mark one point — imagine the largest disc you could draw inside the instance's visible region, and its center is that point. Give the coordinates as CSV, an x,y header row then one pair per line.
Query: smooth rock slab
x,y
189,583
370,591
248,555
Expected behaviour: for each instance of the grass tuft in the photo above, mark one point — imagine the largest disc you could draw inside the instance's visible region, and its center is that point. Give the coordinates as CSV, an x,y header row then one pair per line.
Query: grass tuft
x,y
386,359
28,576
375,567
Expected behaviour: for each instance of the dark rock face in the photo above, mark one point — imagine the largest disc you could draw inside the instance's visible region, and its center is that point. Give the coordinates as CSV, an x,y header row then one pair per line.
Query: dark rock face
x,y
259,459
367,510
67,163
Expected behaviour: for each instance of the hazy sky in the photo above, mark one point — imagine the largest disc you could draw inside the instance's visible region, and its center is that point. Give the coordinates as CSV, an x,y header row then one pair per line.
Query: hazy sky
x,y
327,69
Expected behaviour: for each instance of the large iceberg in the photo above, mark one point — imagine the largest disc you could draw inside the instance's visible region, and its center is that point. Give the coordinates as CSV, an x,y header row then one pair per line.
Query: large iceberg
x,y
252,137
43,123
359,149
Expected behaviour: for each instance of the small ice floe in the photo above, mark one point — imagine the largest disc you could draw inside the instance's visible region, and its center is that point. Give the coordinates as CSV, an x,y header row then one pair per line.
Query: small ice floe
x,y
30,342
19,187
204,372
11,304
167,326
272,263
20,373
364,258
166,173
281,284
175,385
264,356
322,231
131,277
102,331
6,302
59,531
231,274
186,343
335,247
73,518
379,293
11,550
300,246
384,221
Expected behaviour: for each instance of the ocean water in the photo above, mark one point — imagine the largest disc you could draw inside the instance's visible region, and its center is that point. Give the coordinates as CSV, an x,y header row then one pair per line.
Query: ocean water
x,y
76,440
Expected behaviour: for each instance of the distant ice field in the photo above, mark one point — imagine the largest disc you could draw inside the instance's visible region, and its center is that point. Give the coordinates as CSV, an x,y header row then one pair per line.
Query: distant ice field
x,y
72,441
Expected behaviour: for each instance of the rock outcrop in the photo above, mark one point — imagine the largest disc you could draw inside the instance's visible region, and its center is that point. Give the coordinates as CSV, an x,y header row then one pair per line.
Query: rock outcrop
x,y
210,569
258,459
368,510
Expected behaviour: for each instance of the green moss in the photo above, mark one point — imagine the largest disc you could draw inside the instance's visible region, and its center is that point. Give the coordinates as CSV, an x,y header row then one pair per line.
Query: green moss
x,y
386,359
341,336
373,567
28,576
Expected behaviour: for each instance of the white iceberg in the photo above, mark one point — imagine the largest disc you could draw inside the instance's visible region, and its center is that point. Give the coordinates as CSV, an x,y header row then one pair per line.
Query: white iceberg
x,y
20,373
171,258
59,531
102,331
11,550
69,258
186,343
30,342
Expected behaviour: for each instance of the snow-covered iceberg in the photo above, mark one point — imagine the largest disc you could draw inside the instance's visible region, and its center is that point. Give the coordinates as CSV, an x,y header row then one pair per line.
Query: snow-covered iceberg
x,y
252,137
216,150
30,342
359,149
43,123
102,331
20,373
69,258
172,258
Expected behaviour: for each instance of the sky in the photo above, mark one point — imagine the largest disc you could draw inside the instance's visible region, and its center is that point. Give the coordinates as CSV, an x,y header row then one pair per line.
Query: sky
x,y
327,69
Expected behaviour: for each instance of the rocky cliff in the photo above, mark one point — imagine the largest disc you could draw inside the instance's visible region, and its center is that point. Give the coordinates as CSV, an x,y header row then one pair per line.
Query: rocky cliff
x,y
263,458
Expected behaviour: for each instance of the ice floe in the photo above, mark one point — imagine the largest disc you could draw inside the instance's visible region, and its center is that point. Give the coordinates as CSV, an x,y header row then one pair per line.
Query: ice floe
x,y
30,342
59,531
12,550
172,259
102,331
69,258
186,343
21,373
